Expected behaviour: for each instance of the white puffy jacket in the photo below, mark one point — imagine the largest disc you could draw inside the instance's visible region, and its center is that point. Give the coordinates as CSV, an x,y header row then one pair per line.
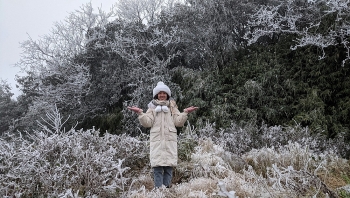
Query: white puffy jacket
x,y
163,134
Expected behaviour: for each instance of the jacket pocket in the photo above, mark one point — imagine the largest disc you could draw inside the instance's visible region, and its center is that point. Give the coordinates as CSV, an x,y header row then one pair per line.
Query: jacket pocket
x,y
155,134
172,135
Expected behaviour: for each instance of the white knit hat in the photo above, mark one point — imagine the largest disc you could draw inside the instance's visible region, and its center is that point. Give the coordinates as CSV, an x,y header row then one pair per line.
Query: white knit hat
x,y
161,87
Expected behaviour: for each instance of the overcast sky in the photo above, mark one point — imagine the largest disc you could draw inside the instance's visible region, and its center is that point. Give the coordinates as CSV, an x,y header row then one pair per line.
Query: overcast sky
x,y
20,18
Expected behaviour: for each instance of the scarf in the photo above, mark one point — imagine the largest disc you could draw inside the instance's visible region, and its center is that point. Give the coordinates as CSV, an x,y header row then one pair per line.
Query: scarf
x,y
159,105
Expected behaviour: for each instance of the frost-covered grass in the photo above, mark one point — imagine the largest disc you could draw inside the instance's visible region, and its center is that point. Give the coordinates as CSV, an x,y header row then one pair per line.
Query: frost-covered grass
x,y
75,162
233,162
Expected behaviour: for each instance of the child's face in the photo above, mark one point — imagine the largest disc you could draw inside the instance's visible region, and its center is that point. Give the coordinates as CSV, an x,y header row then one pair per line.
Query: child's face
x,y
162,95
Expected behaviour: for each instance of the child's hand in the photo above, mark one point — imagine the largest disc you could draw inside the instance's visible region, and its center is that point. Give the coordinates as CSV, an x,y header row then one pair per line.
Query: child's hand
x,y
190,109
135,109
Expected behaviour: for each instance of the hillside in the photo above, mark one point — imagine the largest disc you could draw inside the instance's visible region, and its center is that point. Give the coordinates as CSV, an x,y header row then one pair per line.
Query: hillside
x,y
289,162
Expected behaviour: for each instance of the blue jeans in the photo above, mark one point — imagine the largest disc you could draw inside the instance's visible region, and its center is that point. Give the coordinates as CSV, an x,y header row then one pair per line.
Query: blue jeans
x,y
162,176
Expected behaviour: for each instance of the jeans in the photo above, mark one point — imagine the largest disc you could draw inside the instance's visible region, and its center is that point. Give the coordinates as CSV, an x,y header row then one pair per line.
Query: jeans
x,y
162,176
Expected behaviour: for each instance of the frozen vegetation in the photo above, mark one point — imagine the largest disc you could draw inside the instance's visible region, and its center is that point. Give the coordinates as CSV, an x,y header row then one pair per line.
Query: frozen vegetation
x,y
271,79
234,162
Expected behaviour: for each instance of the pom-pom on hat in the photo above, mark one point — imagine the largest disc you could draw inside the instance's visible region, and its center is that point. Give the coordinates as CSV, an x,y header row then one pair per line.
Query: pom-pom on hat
x,y
161,87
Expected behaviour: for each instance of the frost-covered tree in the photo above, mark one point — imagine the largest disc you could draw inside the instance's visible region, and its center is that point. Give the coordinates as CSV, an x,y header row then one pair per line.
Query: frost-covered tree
x,y
131,57
8,111
90,63
54,75
142,11
210,30
149,53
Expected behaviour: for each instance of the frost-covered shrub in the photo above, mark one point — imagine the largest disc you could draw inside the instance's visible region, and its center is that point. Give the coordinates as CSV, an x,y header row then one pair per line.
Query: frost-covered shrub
x,y
207,160
240,139
276,136
52,162
78,160
186,143
294,169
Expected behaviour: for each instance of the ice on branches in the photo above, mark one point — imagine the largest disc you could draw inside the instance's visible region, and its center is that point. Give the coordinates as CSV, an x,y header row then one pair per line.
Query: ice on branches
x,y
292,18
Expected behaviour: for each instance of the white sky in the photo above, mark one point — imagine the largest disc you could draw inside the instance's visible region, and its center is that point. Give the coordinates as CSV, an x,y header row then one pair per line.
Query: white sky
x,y
20,18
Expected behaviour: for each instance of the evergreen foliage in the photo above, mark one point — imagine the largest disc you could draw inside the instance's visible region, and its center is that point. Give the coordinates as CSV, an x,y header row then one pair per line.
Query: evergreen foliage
x,y
8,107
261,86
